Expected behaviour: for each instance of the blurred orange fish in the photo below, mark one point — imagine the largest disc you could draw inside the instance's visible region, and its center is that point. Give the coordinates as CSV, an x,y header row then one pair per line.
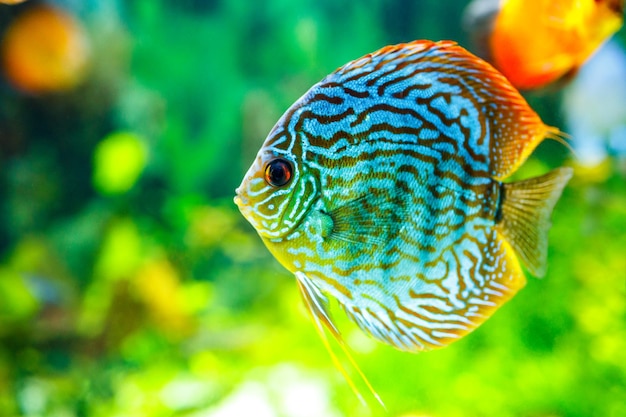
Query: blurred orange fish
x,y
44,49
536,42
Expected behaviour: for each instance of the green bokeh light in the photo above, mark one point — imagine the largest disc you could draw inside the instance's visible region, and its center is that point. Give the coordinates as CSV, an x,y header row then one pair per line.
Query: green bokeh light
x,y
119,160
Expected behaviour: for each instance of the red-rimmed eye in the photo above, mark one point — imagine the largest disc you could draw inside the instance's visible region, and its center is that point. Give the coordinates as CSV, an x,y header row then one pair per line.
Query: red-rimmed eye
x,y
278,172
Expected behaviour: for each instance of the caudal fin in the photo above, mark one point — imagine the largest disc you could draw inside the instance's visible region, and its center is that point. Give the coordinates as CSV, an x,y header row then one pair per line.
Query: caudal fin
x,y
525,216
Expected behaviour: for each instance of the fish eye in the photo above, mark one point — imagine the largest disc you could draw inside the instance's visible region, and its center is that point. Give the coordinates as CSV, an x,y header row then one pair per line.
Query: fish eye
x,y
278,172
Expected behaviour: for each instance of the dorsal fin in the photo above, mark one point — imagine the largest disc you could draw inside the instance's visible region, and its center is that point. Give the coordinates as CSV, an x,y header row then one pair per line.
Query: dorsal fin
x,y
513,129
525,220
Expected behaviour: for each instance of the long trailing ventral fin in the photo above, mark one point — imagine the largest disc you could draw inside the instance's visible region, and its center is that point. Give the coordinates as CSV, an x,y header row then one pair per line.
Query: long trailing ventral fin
x,y
316,304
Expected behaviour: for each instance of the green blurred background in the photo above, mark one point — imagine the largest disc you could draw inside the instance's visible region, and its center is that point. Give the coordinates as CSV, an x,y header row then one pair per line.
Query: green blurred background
x,y
131,286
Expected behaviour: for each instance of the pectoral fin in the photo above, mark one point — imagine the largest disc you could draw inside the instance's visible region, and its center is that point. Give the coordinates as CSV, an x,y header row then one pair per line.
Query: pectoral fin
x,y
371,219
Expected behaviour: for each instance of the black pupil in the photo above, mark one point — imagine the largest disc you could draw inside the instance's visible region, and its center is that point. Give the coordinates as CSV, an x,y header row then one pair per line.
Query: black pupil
x,y
278,172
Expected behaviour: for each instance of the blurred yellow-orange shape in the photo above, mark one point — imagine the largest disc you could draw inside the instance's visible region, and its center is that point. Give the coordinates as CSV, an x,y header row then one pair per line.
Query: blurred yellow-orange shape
x,y
158,286
536,42
45,50
11,1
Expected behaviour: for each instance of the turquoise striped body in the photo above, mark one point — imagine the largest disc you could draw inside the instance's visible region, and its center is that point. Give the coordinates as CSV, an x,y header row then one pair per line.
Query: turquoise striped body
x,y
395,201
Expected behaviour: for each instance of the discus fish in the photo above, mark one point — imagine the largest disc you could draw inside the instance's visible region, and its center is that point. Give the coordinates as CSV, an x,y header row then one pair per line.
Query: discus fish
x,y
382,188
536,42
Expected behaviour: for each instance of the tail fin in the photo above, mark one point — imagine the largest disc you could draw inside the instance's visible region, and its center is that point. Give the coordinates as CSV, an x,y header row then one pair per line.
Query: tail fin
x,y
526,207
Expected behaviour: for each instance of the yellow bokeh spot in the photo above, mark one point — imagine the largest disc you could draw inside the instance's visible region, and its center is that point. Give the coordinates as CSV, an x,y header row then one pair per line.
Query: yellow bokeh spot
x,y
157,284
208,226
119,160
594,174
204,363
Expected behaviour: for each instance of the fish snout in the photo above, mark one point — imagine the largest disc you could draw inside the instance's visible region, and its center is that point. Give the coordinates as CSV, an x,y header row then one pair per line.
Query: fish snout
x,y
239,199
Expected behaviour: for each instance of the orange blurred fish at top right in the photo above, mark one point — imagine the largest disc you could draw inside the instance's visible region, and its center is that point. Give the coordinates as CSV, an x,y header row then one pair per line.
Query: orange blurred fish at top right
x,y
536,42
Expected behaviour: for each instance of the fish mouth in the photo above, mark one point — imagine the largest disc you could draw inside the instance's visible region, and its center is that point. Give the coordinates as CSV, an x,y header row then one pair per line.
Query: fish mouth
x,y
239,200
